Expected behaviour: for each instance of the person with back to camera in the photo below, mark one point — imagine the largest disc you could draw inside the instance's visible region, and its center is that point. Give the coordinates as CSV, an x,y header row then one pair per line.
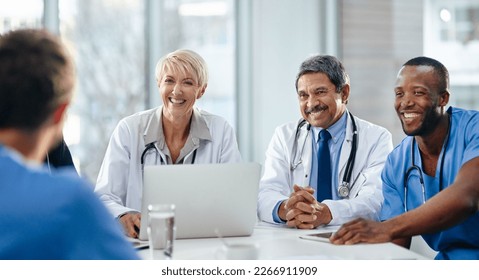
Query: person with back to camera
x,y
175,133
431,179
45,214
324,169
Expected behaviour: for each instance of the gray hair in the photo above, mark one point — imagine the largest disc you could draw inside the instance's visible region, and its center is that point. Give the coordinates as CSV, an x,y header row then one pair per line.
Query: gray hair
x,y
328,65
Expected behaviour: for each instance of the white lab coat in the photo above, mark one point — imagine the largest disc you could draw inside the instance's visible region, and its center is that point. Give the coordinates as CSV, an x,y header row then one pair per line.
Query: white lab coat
x,y
120,183
365,198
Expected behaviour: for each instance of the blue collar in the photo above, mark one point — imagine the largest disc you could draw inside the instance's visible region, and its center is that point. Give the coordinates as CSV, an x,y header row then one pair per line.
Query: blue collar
x,y
335,130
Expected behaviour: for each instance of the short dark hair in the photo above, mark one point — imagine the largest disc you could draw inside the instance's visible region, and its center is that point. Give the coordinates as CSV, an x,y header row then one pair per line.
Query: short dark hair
x,y
36,75
439,68
327,64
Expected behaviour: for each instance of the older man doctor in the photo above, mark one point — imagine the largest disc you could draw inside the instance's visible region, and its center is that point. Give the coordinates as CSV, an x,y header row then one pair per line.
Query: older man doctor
x,y
324,169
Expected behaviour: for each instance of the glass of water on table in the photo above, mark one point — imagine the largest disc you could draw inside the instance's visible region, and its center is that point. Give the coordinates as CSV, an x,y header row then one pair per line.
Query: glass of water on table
x,y
161,230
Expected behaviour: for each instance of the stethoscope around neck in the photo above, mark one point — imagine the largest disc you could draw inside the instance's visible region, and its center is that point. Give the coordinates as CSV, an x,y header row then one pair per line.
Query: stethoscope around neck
x,y
162,162
419,171
344,188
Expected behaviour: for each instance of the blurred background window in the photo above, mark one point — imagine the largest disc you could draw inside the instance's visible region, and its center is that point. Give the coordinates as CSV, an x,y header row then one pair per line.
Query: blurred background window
x,y
117,43
207,27
20,14
253,52
452,36
107,39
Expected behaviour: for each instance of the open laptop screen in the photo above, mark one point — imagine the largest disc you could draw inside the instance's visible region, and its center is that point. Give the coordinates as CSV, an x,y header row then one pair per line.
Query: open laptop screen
x,y
208,197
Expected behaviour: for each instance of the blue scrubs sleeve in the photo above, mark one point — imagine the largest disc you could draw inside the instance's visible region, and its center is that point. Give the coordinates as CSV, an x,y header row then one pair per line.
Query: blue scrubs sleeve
x,y
392,190
472,139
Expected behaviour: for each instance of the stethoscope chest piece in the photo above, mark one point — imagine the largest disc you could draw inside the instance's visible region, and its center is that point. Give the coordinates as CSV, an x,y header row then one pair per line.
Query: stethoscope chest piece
x,y
343,190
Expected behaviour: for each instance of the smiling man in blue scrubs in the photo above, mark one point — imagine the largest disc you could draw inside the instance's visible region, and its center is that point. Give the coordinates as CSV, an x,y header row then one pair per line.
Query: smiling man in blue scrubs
x,y
431,180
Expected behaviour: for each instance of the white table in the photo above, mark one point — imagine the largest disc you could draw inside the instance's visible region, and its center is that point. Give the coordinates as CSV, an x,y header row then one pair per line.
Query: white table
x,y
279,242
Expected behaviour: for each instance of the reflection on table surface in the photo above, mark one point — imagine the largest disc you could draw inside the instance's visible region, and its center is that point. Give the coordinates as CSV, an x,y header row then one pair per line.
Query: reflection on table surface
x,y
280,242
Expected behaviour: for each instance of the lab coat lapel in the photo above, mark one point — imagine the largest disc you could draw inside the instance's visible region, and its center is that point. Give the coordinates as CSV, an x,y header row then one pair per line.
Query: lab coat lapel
x,y
305,135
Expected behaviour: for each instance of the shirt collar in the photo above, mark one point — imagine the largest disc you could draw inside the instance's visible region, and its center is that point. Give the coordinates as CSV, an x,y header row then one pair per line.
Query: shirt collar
x,y
18,157
335,130
198,130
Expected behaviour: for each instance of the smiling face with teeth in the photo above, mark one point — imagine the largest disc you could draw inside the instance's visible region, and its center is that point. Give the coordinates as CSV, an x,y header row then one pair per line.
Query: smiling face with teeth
x,y
182,78
320,103
419,100
179,93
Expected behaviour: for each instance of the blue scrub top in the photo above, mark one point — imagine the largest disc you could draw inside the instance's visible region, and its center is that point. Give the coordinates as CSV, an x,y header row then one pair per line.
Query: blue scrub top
x,y
53,216
462,240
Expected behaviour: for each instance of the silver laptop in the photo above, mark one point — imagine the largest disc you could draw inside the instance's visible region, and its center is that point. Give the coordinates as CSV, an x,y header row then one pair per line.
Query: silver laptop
x,y
209,198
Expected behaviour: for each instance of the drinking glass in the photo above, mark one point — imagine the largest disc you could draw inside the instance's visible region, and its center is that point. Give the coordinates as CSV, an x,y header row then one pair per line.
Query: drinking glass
x,y
161,230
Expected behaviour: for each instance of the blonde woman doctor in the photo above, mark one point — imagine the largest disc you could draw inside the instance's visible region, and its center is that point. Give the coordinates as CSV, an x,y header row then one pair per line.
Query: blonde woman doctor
x,y
175,133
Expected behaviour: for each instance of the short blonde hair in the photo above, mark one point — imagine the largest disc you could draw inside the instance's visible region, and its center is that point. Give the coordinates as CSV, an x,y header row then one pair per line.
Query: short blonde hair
x,y
186,62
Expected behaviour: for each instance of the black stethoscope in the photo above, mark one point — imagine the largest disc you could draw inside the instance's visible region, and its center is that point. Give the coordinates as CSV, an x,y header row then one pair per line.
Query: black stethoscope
x,y
152,146
344,187
418,169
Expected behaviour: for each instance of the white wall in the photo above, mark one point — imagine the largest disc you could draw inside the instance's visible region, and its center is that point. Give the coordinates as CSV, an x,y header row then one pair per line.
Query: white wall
x,y
283,35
